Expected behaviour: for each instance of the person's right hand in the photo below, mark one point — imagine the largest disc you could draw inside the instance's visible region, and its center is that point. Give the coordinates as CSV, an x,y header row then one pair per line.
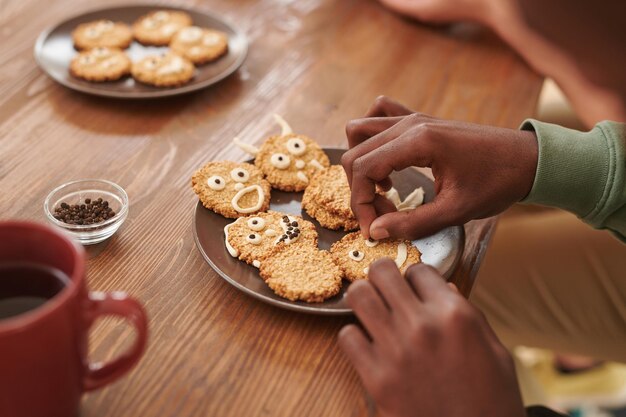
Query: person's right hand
x,y
479,170
442,11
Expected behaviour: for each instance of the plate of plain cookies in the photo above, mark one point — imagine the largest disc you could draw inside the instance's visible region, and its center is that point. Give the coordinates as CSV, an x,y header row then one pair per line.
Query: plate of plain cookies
x,y
279,227
141,51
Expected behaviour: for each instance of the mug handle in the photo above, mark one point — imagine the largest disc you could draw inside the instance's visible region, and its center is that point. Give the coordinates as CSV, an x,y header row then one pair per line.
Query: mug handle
x,y
116,304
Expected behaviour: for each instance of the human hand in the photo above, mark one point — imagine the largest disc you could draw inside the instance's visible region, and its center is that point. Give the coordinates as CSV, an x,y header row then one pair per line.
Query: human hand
x,y
442,11
479,170
431,352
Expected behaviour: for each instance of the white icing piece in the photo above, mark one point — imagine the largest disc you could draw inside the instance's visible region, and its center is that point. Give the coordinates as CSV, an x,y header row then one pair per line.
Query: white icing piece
x,y
190,35
280,161
302,176
99,29
152,63
244,191
296,146
271,232
366,270
370,243
232,251
101,52
239,186
300,164
245,146
285,128
161,16
316,164
240,175
402,254
176,65
216,183
169,29
86,59
256,223
356,257
254,238
413,200
110,62
393,196
256,263
196,50
211,39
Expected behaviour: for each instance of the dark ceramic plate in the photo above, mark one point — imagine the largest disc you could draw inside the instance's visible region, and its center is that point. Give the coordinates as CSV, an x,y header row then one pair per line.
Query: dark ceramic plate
x,y
442,250
54,50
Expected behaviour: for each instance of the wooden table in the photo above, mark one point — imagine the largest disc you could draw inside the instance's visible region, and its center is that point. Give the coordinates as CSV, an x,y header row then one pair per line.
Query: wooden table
x,y
213,350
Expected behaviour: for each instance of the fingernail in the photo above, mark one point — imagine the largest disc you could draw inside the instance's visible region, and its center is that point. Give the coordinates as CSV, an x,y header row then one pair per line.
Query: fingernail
x,y
378,233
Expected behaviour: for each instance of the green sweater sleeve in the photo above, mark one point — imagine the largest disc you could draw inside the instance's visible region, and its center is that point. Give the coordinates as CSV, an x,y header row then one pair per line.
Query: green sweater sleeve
x,y
582,172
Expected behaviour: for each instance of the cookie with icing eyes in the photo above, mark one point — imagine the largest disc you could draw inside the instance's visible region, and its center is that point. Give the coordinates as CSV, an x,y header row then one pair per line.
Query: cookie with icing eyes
x,y
231,189
199,45
354,254
100,64
168,70
252,238
301,272
159,27
102,33
326,218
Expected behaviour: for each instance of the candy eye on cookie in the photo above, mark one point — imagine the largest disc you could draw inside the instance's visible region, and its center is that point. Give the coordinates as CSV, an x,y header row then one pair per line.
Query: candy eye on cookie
x,y
240,175
296,146
215,182
254,238
356,255
280,160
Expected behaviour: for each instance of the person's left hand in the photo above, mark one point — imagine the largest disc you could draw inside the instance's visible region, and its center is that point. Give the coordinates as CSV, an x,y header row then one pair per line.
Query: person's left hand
x,y
431,353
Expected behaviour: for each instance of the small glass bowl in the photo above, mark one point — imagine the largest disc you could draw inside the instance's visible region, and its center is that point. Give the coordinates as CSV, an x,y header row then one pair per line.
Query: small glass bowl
x,y
76,192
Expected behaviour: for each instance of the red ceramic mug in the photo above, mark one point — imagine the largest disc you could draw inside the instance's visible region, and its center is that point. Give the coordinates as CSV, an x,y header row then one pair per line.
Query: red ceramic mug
x,y
44,368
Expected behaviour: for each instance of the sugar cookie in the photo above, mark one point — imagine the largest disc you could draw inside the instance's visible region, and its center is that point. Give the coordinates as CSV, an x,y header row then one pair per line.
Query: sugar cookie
x,y
102,33
158,27
169,70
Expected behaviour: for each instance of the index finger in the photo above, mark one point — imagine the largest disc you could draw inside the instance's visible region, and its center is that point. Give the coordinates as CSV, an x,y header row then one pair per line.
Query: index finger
x,y
385,107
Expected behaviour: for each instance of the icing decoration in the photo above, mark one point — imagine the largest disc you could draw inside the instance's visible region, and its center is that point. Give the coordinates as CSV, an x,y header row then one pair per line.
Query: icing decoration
x,y
98,30
174,66
290,230
316,164
245,146
216,183
393,196
244,191
366,270
256,263
254,238
161,16
169,29
371,242
190,34
271,232
256,223
285,128
356,255
232,251
300,164
280,161
402,253
211,39
413,200
302,176
239,186
296,146
240,175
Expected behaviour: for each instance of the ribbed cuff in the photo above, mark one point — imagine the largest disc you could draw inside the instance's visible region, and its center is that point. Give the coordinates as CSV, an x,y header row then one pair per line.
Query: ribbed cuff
x,y
573,168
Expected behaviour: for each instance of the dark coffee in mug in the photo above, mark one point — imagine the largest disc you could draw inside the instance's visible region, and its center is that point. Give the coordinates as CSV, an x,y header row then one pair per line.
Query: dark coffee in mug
x,y
25,286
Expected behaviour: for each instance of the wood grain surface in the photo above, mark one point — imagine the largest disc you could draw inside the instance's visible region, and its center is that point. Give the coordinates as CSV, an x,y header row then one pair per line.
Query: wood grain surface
x,y
213,350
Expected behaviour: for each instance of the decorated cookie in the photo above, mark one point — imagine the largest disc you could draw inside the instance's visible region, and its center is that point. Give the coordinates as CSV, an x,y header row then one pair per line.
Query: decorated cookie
x,y
231,189
103,33
168,70
288,160
100,64
330,189
158,27
199,45
355,254
302,272
325,218
253,238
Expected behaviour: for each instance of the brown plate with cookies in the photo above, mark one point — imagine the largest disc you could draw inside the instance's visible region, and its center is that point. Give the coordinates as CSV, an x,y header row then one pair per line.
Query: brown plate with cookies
x,y
442,250
141,51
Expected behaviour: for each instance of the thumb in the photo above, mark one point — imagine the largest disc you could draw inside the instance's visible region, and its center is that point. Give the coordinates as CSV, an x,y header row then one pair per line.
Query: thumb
x,y
424,220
